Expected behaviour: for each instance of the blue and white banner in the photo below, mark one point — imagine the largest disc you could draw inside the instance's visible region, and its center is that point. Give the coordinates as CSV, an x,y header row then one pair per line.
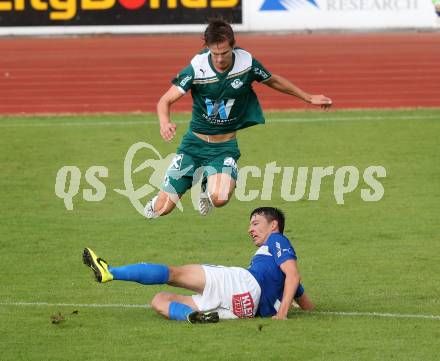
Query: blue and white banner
x,y
338,14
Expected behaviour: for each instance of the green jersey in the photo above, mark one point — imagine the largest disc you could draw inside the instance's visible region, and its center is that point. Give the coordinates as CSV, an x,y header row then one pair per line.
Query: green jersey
x,y
223,102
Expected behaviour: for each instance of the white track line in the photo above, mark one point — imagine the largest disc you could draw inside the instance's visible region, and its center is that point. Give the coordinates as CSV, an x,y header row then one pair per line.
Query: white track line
x,y
123,305
293,119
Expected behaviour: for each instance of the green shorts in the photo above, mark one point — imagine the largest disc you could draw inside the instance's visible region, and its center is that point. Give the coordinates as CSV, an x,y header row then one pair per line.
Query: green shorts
x,y
197,158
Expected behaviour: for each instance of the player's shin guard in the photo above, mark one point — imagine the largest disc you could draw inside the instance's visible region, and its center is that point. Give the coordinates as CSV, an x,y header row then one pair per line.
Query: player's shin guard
x,y
178,311
143,273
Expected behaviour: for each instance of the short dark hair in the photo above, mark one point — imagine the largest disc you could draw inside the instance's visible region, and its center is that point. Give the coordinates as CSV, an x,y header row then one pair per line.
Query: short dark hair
x,y
271,214
217,31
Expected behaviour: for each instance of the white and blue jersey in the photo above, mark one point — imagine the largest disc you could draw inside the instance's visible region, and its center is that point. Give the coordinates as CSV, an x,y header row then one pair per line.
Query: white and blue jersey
x,y
265,267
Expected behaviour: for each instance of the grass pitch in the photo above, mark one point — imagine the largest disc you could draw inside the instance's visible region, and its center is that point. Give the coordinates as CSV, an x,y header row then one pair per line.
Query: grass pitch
x,y
359,261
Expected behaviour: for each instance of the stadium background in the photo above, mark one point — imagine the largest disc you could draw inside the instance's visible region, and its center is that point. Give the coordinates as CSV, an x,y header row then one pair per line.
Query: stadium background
x,y
83,100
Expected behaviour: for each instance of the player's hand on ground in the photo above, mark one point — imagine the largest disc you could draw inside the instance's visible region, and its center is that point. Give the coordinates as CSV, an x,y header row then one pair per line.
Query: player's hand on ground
x,y
322,101
279,317
167,131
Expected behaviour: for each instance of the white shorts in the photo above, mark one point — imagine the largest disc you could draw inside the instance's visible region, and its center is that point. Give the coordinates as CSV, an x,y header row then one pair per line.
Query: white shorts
x,y
231,291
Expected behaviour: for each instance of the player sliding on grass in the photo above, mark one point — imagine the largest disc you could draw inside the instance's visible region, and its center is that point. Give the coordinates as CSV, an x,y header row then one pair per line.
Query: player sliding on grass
x,y
220,79
266,288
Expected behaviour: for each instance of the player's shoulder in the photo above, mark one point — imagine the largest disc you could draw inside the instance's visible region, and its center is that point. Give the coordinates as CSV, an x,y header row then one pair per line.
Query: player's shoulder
x,y
200,65
200,58
242,52
245,55
276,236
280,245
242,62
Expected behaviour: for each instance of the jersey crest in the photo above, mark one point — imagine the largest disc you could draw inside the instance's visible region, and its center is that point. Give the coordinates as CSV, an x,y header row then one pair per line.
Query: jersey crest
x,y
237,84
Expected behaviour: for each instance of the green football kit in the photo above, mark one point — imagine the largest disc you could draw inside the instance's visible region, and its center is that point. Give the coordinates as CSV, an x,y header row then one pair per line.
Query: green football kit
x,y
222,103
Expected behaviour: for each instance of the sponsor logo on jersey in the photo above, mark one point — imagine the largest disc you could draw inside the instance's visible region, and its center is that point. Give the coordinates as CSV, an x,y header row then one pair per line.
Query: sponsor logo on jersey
x,y
185,80
218,108
243,305
237,84
285,5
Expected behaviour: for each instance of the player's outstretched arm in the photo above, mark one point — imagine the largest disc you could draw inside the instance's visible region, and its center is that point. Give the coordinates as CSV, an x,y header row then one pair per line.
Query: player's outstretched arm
x,y
167,129
283,85
291,284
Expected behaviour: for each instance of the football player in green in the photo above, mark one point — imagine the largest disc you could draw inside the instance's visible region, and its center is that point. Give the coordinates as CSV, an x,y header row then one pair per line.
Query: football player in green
x,y
220,79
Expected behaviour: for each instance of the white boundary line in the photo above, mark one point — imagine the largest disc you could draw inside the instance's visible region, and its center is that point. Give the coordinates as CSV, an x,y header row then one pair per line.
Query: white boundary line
x,y
146,306
293,119
378,314
87,305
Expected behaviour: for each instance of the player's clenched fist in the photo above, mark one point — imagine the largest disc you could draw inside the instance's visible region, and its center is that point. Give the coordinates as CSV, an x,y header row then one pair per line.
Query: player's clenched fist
x,y
167,131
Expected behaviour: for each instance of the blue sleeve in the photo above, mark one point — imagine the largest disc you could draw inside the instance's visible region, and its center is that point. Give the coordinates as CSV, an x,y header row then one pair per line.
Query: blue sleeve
x,y
299,291
280,248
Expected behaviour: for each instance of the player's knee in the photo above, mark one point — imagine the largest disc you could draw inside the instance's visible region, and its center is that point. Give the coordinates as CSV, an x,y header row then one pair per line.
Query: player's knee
x,y
164,204
175,275
160,302
219,199
221,187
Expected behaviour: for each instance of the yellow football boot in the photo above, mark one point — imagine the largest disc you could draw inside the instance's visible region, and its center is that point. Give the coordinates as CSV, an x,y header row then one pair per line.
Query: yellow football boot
x,y
98,266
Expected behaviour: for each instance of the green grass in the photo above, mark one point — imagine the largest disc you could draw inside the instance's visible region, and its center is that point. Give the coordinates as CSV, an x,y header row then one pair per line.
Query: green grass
x,y
357,257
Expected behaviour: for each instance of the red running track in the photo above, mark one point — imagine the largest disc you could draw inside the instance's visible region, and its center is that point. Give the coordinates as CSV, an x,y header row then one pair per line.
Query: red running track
x,y
129,73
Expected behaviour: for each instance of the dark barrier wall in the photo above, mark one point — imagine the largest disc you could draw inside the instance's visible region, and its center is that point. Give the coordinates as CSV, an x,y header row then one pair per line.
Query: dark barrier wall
x,y
116,12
